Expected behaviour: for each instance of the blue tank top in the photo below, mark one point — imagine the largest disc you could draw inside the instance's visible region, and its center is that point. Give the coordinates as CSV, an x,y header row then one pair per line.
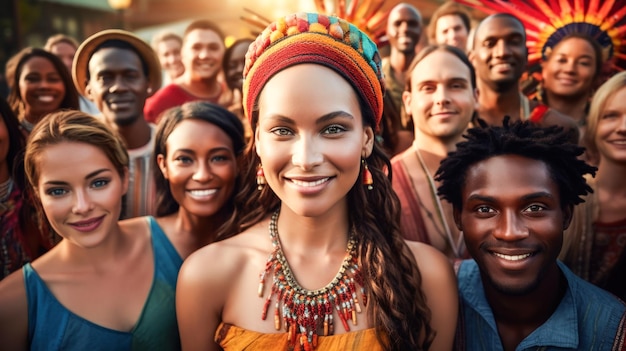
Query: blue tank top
x,y
53,327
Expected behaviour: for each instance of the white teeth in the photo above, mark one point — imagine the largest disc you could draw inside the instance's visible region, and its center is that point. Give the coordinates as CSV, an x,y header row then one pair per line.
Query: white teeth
x,y
512,258
202,193
46,98
310,184
619,142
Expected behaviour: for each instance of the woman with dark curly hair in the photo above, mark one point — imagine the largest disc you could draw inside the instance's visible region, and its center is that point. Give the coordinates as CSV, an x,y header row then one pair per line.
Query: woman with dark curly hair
x,y
39,84
320,262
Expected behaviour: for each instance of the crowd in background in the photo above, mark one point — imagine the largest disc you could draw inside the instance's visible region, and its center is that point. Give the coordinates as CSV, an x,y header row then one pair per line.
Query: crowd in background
x,y
143,187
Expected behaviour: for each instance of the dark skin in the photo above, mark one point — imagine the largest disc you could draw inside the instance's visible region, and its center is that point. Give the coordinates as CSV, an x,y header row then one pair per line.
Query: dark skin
x,y
500,56
514,231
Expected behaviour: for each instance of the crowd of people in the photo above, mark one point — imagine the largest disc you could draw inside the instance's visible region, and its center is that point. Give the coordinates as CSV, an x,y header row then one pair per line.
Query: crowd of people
x,y
297,191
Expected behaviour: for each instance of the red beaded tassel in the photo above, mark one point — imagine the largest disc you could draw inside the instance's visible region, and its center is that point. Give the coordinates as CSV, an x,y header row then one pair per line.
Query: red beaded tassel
x,y
304,313
260,177
368,180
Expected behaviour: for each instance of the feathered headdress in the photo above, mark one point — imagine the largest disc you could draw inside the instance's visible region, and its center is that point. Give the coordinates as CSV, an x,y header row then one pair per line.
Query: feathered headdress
x,y
548,21
365,14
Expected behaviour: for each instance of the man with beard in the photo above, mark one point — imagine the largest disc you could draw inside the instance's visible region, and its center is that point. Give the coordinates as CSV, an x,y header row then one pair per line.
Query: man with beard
x,y
500,56
513,189
202,54
117,71
404,29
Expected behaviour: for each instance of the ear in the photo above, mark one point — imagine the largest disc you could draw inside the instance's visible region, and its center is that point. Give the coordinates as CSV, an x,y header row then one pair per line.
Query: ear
x,y
476,104
456,214
162,165
471,55
89,92
125,181
567,216
406,100
368,142
256,141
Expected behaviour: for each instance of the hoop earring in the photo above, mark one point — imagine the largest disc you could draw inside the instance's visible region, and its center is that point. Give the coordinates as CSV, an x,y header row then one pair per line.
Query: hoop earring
x,y
260,177
368,179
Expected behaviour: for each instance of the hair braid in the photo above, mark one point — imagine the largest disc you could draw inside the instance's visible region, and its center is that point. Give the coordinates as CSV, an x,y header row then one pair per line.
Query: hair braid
x,y
393,281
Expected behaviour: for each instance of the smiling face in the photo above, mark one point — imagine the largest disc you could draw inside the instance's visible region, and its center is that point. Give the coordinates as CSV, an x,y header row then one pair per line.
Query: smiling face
x,y
202,54
571,69
200,167
610,137
117,85
235,66
451,30
499,54
169,56
404,28
442,99
512,222
80,191
41,88
310,138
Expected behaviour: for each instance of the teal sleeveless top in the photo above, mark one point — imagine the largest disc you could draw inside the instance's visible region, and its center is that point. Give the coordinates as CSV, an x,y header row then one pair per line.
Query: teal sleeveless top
x,y
51,326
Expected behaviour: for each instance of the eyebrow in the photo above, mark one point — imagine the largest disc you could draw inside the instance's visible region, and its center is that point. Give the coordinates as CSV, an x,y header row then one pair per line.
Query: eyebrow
x,y
213,149
532,196
90,175
323,119
579,57
449,80
505,35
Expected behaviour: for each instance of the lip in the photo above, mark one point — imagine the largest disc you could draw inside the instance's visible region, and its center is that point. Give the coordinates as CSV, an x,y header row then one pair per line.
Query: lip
x,y
309,185
87,225
567,81
120,104
512,259
201,194
444,114
46,98
503,67
204,65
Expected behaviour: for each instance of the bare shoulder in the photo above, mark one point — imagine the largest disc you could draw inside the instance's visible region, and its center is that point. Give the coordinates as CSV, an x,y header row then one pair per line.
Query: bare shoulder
x,y
556,118
223,259
13,312
429,259
440,289
137,231
135,225
214,270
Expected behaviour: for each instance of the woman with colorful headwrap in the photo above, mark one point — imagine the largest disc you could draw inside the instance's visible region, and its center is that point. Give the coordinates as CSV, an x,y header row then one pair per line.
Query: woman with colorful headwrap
x,y
313,93
570,73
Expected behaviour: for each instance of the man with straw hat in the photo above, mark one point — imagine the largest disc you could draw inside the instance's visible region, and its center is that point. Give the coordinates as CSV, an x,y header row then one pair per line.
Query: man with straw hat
x,y
118,72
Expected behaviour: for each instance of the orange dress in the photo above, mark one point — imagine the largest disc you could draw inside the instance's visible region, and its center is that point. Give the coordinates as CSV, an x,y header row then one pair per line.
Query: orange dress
x,y
231,337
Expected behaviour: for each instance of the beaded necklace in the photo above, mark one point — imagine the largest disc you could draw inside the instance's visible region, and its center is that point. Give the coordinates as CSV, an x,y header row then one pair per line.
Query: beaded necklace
x,y
304,312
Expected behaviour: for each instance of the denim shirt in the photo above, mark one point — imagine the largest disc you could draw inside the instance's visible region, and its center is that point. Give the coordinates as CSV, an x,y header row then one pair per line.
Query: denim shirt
x,y
587,318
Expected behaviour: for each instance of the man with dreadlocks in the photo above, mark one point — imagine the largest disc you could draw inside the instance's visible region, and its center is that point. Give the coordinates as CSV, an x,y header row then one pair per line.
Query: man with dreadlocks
x,y
513,188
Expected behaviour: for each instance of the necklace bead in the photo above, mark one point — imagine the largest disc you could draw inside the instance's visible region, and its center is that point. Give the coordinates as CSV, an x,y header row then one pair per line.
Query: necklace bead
x,y
301,312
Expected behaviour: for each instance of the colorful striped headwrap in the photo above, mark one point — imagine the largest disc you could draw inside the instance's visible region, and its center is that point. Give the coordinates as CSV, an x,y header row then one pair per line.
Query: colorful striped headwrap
x,y
315,38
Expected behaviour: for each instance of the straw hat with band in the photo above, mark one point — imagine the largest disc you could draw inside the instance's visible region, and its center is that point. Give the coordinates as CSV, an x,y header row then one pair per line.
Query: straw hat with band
x,y
315,38
80,66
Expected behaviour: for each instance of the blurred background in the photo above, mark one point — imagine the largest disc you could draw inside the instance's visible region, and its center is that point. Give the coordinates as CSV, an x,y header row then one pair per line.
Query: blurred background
x,y
31,22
